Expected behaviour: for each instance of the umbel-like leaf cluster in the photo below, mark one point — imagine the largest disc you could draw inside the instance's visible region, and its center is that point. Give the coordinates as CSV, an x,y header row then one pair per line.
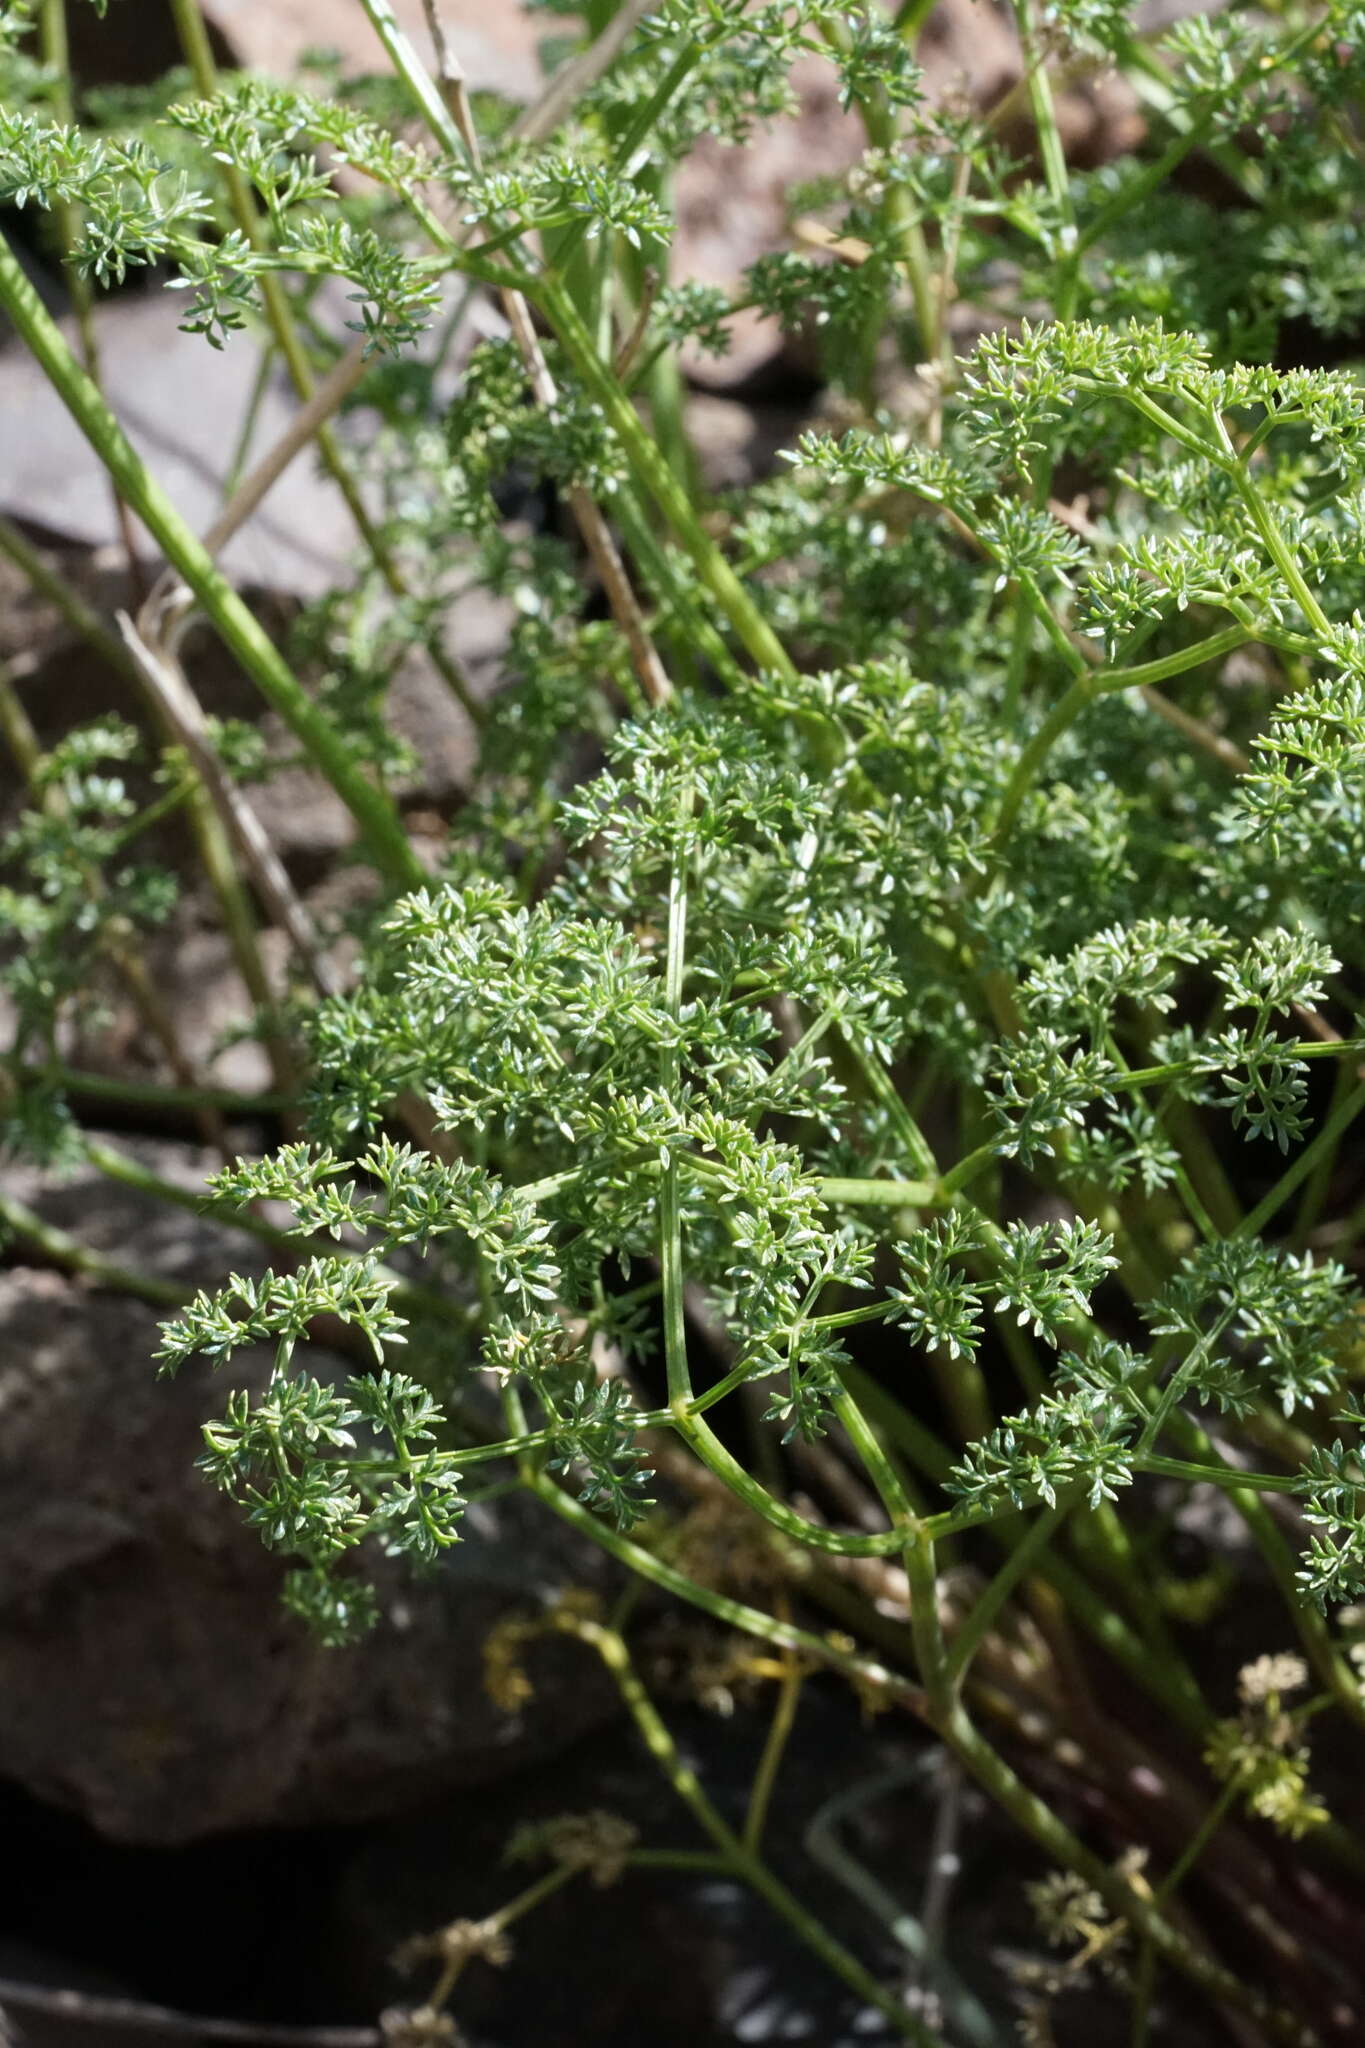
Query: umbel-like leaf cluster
x,y
691,989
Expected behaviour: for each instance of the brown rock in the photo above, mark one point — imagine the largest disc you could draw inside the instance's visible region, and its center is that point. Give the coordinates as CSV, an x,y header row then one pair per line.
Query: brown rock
x,y
734,204
149,1679
496,44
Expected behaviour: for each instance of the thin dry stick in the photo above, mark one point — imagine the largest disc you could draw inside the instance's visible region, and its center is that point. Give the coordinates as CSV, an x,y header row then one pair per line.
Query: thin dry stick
x,y
169,688
630,347
194,38
170,598
1226,752
93,628
327,397
166,682
132,2014
593,527
331,393
572,79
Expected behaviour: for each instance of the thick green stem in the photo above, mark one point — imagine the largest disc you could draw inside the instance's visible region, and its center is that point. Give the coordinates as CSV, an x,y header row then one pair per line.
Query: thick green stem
x,y
1038,1821
884,1194
376,816
653,472
860,1670
60,1249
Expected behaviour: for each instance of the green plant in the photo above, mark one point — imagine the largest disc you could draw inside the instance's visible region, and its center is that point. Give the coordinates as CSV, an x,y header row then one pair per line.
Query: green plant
x,y
932,1008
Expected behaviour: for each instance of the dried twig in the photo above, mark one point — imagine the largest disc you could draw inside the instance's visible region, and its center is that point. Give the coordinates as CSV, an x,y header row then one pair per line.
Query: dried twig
x,y
597,536
88,2009
327,397
572,80
169,598
1226,752
630,347
166,683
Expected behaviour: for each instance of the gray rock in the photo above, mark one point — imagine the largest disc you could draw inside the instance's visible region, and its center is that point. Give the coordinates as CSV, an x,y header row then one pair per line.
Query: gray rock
x,y
149,1679
496,45
180,403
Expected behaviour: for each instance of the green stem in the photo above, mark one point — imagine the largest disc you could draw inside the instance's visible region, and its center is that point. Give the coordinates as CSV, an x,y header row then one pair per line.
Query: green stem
x,y
1145,1975
1038,1821
421,86
739,1856
62,1250
680,616
1096,1613
84,621
774,1748
1320,1178
1276,546
1053,153
158,1095
1229,1477
69,217
961,1381
705,1862
376,816
1321,1147
885,1194
1082,692
1021,1557
222,870
670,1211
131,1173
1144,673
1064,713
194,41
767,1628
1331,1667
917,1557
702,1439
904,226
1198,1842
716,573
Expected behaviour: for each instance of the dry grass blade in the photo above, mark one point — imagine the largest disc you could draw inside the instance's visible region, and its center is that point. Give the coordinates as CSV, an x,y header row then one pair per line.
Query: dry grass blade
x,y
132,2016
166,682
574,78
597,535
